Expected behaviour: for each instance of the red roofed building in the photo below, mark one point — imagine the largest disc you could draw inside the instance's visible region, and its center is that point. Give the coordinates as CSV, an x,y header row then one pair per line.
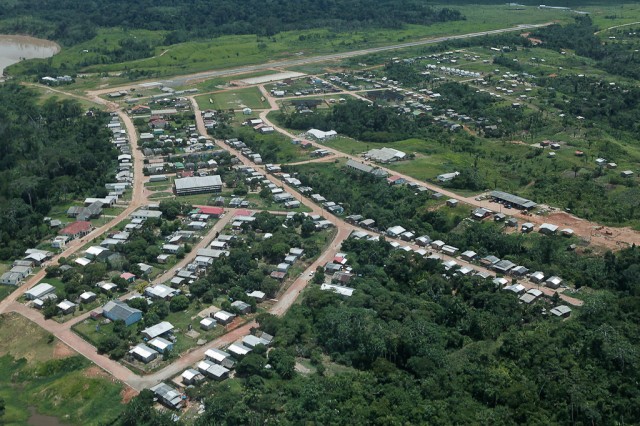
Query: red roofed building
x,y
395,180
339,259
140,109
210,210
184,174
243,212
76,229
128,276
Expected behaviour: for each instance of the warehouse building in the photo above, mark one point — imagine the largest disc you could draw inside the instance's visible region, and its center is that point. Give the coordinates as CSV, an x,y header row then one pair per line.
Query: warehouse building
x,y
198,185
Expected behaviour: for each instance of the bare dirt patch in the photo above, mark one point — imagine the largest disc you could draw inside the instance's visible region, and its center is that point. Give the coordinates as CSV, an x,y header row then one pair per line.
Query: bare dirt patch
x,y
611,238
62,351
96,372
128,394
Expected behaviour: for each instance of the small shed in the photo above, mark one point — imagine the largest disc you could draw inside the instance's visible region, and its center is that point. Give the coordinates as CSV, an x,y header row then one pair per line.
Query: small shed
x,y
527,227
161,345
66,307
241,306
191,377
87,297
537,277
553,282
224,317
208,324
469,255
143,353
562,311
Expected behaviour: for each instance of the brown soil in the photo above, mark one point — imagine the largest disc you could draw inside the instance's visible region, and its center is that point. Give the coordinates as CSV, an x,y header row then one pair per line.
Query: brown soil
x,y
95,372
611,238
62,351
128,394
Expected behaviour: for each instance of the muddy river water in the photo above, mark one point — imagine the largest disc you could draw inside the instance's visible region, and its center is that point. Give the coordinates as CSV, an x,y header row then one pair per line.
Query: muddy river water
x,y
14,48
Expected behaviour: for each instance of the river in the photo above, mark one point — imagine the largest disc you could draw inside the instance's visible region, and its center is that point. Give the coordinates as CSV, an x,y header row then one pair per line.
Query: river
x,y
14,48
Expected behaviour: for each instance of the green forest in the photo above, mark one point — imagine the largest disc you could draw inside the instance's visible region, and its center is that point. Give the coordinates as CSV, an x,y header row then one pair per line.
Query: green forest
x,y
70,22
416,345
50,154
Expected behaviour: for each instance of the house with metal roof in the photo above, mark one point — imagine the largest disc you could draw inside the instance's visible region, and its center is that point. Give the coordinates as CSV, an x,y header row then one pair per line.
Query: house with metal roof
x,y
553,282
219,357
39,291
160,291
66,307
159,329
238,349
168,396
117,310
224,317
561,311
212,370
513,200
191,377
338,289
241,306
503,266
252,341
161,345
143,353
547,228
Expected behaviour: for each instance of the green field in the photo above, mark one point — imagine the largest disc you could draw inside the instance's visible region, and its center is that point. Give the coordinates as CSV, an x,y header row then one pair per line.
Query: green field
x,y
238,50
233,99
50,380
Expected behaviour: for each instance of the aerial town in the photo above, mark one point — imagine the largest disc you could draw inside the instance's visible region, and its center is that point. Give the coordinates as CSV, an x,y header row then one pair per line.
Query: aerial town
x,y
415,221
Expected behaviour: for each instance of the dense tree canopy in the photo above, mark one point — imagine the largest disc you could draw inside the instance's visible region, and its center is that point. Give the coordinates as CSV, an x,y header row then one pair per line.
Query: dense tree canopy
x,y
416,345
71,22
50,154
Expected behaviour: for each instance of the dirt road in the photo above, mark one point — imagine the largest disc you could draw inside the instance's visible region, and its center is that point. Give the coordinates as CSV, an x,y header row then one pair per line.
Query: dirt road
x,y
137,200
619,238
204,243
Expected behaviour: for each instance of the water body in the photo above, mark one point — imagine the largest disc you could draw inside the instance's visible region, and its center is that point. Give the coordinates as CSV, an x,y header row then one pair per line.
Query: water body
x,y
15,48
36,419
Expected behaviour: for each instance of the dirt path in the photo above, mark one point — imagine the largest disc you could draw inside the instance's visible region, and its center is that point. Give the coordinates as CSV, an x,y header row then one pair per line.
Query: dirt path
x,y
617,26
204,243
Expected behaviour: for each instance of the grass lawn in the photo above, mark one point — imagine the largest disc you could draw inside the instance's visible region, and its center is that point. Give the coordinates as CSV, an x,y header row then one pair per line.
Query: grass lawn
x,y
6,290
162,187
46,94
53,381
233,99
273,147
160,195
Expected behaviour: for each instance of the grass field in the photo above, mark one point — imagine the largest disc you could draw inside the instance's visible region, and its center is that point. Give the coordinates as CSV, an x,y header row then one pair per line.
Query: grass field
x,y
230,51
46,94
233,99
51,380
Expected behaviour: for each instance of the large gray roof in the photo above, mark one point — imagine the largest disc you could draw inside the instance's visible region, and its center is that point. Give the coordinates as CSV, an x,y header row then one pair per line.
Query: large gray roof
x,y
513,199
197,182
118,310
359,166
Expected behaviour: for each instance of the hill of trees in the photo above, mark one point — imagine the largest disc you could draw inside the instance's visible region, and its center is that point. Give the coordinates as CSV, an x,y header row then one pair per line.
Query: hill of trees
x,y
50,154
70,22
417,345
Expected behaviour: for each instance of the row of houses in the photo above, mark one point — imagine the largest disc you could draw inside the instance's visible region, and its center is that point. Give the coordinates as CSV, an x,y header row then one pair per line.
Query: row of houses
x,y
295,254
217,364
22,268
499,266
